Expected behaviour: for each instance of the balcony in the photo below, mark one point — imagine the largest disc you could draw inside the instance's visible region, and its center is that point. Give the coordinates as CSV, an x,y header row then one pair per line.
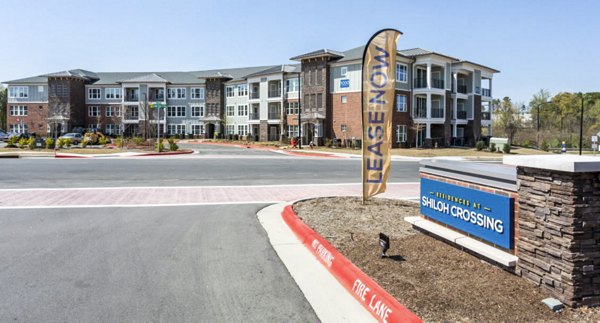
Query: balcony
x,y
420,113
461,115
486,116
461,89
420,83
274,93
437,113
437,83
486,92
254,95
131,117
274,115
254,116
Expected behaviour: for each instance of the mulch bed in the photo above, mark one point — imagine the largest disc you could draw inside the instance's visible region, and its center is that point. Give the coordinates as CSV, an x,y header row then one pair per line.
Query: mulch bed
x,y
436,281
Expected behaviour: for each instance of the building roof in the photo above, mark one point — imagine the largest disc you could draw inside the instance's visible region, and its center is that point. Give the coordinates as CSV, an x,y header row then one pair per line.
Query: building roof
x,y
236,74
414,52
318,53
489,68
148,78
29,80
295,68
74,73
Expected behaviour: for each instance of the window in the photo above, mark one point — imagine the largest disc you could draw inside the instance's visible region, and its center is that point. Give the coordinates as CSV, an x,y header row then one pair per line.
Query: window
x,y
293,107
18,110
197,93
197,129
133,111
175,111
112,93
400,103
242,110
291,85
113,129
176,129
230,110
18,92
94,94
344,99
93,127
319,76
242,129
400,133
401,73
59,90
197,111
230,129
176,93
344,128
319,101
292,131
157,94
229,91
93,111
113,111
344,71
18,128
243,90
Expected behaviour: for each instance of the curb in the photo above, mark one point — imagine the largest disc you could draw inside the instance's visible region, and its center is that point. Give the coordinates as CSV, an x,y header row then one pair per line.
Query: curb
x,y
169,153
380,304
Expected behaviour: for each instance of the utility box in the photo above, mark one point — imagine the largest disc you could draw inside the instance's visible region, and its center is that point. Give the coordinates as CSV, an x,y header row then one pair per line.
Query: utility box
x,y
500,142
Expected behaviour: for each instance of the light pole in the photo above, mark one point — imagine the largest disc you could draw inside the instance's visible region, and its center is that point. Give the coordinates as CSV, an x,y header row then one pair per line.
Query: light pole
x,y
538,121
581,126
299,108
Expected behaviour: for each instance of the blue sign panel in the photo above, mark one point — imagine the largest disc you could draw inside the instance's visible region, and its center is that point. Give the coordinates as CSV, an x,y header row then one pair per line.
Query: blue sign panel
x,y
344,83
484,215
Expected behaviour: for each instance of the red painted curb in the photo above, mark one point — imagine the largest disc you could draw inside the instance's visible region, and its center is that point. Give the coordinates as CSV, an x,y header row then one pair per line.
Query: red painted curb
x,y
67,156
383,306
183,152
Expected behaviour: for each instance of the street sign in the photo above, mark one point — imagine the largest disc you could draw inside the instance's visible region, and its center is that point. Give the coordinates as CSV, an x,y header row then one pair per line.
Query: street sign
x,y
157,106
594,138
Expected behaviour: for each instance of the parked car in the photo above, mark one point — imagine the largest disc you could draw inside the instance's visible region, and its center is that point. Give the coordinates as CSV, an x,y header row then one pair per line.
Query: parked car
x,y
76,138
18,135
4,136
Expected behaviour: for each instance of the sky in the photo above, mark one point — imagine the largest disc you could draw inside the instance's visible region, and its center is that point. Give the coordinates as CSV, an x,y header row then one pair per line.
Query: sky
x,y
548,44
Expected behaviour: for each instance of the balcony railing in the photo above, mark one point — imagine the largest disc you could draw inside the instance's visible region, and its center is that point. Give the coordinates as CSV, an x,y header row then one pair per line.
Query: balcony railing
x,y
461,115
157,98
437,83
254,95
254,116
437,113
461,89
131,117
131,98
486,116
486,92
420,83
274,115
275,94
420,113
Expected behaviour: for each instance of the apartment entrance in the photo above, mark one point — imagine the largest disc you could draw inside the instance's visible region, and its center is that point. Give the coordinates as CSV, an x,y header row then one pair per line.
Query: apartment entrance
x,y
273,133
210,130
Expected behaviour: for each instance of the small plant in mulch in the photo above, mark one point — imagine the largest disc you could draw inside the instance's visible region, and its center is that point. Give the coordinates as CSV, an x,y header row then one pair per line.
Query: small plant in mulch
x,y
172,145
138,141
160,146
31,143
22,143
49,143
480,145
102,141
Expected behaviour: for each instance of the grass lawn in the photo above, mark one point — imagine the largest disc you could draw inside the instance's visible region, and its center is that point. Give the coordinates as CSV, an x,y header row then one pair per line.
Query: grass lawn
x,y
83,151
438,152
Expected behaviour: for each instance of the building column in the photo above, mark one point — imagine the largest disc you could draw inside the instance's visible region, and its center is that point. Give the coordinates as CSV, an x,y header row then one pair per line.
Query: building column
x,y
454,130
455,108
428,103
490,80
429,75
455,85
428,130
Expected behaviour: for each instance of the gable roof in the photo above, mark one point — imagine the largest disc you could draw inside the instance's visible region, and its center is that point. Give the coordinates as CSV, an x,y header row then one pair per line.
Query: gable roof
x,y
295,68
148,78
318,53
29,80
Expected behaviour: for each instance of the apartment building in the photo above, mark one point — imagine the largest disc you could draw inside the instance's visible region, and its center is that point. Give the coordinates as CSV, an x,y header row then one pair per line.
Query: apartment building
x,y
440,100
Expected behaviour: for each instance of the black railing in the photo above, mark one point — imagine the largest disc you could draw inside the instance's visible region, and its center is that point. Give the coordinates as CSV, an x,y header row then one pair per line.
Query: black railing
x,y
275,94
461,89
486,116
131,98
420,83
437,113
461,115
437,83
254,95
254,116
274,115
486,92
420,113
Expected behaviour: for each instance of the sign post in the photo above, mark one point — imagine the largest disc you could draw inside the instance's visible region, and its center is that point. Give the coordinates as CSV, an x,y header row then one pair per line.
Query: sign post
x,y
158,106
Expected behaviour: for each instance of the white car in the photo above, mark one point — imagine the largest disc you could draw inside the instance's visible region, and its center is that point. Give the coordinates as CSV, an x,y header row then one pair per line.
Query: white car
x,y
76,138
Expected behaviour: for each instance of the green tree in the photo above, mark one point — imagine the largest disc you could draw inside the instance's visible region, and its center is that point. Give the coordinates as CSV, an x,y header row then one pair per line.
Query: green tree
x,y
537,103
508,119
3,100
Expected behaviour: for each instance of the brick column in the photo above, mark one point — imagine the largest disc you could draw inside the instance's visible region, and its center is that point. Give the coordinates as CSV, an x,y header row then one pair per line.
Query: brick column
x,y
559,225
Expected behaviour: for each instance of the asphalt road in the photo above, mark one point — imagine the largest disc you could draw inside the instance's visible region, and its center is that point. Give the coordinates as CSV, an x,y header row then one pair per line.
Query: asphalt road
x,y
178,264
232,166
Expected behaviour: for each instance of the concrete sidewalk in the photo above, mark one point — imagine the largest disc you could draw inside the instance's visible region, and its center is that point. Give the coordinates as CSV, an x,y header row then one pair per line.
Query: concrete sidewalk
x,y
328,298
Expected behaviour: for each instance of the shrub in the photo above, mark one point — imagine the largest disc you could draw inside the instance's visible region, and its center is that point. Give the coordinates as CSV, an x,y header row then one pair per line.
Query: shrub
x,y
12,142
506,149
102,141
480,145
49,143
527,143
60,143
119,142
328,142
68,142
84,143
31,143
138,140
160,146
22,143
544,146
172,145
216,135
493,147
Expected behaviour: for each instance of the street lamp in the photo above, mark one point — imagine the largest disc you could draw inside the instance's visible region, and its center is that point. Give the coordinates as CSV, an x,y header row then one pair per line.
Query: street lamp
x,y
538,121
581,125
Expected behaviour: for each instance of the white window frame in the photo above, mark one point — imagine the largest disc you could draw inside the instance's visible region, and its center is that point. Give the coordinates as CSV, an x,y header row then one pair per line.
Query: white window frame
x,y
199,127
242,110
113,93
230,111
197,111
113,111
93,111
176,129
229,91
18,92
176,111
293,107
242,90
197,93
92,95
19,128
401,135
113,129
176,93
344,71
291,85
399,75
344,99
401,106
292,131
18,110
